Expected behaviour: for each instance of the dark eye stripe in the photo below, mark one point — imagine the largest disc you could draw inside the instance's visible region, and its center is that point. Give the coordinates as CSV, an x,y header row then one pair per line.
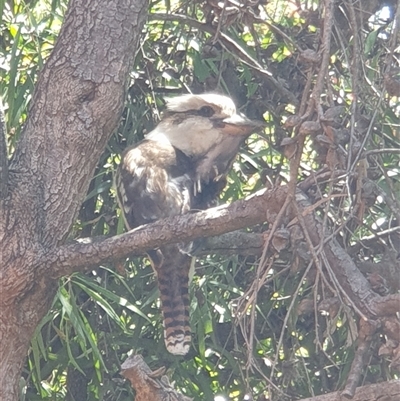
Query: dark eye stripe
x,y
205,111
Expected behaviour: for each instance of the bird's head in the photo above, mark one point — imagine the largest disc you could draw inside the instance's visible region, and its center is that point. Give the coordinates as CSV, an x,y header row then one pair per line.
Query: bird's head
x,y
196,123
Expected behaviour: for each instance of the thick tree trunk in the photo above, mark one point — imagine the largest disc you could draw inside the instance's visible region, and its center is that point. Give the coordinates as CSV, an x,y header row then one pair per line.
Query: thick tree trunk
x,y
76,105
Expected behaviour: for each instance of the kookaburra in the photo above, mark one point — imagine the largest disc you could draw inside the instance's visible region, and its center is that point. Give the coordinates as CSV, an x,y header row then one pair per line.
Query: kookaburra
x,y
180,166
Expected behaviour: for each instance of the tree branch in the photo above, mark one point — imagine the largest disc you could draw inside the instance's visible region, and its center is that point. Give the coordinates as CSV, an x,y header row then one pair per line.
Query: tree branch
x,y
238,242
260,207
243,213
363,351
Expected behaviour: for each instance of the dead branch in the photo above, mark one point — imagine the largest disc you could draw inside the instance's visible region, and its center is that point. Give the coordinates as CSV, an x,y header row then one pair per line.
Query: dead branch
x,y
365,333
149,386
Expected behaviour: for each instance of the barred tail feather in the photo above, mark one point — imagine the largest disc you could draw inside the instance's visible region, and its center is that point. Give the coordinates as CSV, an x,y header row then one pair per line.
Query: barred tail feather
x,y
173,280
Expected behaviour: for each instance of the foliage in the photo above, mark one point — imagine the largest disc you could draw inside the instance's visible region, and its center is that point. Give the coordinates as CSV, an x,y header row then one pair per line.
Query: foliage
x,y
280,346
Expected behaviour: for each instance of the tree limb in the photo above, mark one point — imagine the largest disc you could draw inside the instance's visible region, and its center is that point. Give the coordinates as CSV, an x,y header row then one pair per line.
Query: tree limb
x,y
238,242
363,351
243,213
260,207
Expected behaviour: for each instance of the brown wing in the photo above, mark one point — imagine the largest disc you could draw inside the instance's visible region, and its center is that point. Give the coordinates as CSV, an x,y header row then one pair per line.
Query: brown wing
x,y
153,181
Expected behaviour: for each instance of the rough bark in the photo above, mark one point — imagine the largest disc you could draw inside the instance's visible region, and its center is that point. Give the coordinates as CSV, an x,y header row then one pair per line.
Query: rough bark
x,y
77,103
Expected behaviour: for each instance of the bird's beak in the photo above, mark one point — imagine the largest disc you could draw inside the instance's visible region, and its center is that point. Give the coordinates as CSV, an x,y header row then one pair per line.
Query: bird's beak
x,y
239,125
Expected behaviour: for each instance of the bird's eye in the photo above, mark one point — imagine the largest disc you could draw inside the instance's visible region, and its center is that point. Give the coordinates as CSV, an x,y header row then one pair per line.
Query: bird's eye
x,y
206,111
